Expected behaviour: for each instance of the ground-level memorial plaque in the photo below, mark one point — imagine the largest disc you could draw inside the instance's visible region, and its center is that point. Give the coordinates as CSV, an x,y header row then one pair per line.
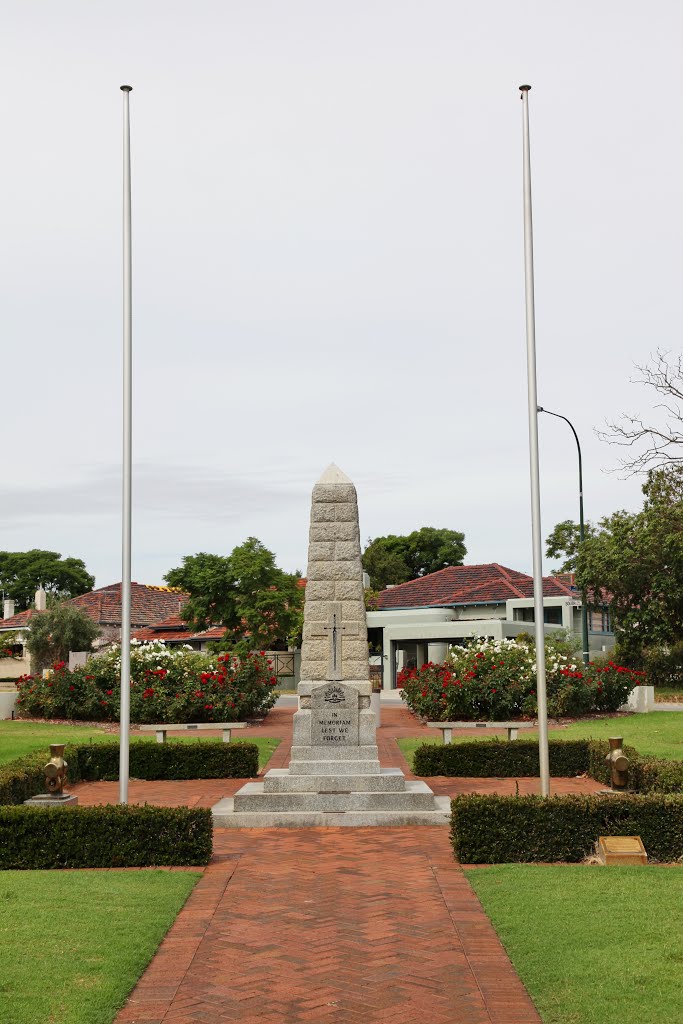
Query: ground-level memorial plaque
x,y
334,776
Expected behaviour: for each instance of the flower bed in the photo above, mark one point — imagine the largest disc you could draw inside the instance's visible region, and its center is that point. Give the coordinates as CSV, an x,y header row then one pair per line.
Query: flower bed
x,y
495,680
167,685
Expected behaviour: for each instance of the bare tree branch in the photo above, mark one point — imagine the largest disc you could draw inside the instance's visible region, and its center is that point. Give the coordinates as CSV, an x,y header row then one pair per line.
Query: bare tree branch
x,y
663,440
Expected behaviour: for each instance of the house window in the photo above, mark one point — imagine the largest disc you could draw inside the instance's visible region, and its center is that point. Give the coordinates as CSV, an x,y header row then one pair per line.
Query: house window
x,y
599,621
551,616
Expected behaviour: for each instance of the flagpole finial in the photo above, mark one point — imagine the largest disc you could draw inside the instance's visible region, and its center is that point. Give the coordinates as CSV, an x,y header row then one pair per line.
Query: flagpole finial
x,y
522,88
126,88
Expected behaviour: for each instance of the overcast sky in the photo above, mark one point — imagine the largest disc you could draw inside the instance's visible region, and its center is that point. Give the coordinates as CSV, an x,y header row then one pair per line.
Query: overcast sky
x,y
328,264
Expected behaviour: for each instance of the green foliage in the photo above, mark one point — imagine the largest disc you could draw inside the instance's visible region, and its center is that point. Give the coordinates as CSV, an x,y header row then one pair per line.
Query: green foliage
x,y
637,558
397,559
23,778
205,759
258,603
649,774
57,631
23,572
564,542
500,830
90,762
664,665
501,759
167,685
495,680
104,837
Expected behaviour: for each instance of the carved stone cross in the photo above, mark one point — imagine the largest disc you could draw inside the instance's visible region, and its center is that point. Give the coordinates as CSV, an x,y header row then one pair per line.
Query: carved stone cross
x,y
334,629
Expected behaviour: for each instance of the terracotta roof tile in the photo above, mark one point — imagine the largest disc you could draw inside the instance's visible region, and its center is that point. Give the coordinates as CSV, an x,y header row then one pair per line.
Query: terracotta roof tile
x,y
174,629
20,620
468,584
149,604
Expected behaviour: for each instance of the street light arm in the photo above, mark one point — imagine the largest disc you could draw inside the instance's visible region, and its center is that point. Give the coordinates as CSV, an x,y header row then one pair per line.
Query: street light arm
x,y
559,416
582,531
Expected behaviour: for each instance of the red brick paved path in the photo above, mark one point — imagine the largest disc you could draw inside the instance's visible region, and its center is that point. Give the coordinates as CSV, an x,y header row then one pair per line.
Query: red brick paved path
x,y
348,926
331,925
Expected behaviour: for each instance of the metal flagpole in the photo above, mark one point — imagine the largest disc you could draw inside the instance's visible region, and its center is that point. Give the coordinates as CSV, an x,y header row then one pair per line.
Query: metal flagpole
x,y
533,456
124,727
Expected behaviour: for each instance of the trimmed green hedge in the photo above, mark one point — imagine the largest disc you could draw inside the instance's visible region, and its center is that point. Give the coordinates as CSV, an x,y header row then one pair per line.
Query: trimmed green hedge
x,y
24,778
503,830
207,759
90,762
501,759
104,837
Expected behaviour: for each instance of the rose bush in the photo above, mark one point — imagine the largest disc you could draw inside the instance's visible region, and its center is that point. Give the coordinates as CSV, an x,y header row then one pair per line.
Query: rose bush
x,y
495,680
167,685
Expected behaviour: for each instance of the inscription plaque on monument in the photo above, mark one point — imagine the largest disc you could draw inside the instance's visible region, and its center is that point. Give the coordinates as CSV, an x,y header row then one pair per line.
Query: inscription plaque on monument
x,y
334,715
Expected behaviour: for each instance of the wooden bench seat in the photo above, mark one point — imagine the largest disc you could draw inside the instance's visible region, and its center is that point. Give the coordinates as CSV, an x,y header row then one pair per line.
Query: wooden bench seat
x,y
448,727
161,730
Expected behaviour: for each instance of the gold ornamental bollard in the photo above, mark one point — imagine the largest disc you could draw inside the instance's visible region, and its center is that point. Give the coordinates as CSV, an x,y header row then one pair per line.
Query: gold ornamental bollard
x,y
55,770
619,764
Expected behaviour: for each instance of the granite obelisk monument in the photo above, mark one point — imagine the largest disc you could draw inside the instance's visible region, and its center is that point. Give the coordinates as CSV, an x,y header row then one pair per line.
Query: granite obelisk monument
x,y
334,776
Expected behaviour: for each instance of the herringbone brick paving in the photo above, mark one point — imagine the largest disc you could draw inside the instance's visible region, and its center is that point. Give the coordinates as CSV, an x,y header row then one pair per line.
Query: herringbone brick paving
x,y
329,925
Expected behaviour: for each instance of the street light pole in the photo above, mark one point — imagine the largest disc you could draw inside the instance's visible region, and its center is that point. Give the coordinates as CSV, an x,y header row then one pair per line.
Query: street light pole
x,y
582,532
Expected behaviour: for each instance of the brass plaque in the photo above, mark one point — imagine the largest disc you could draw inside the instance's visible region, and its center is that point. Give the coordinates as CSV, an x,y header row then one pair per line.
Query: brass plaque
x,y
622,850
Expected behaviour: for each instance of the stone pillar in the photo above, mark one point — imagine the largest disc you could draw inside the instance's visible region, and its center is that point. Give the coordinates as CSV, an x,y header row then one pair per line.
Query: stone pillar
x,y
335,638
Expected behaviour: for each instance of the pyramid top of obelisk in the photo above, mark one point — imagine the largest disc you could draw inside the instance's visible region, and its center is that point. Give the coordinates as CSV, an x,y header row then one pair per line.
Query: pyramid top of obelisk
x,y
334,475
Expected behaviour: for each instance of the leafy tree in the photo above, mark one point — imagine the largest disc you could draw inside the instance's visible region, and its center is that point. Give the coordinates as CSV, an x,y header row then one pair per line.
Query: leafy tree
x,y
565,541
258,603
56,632
22,572
397,559
637,558
657,441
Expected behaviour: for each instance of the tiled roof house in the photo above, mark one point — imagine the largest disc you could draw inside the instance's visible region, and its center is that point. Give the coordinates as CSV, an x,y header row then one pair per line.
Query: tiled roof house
x,y
149,604
417,620
175,631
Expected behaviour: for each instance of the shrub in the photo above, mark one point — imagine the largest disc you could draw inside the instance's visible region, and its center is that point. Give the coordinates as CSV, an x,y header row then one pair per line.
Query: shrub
x,y
90,762
167,685
57,631
664,665
34,838
495,680
500,830
500,759
208,759
24,778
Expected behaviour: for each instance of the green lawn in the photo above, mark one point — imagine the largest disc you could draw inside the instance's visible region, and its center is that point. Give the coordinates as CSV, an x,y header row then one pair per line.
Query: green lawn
x,y
591,944
19,738
73,943
659,733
